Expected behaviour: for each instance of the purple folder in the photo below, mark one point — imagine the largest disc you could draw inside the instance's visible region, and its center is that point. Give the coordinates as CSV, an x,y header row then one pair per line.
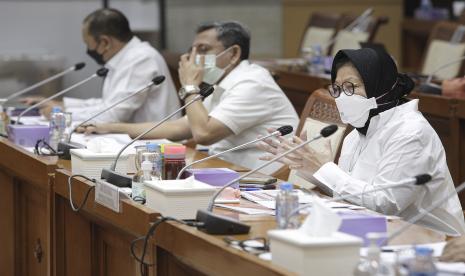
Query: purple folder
x,y
214,176
27,135
359,224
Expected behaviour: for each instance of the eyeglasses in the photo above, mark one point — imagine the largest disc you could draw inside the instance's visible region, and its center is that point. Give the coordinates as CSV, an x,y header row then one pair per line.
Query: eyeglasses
x,y
253,246
347,87
42,145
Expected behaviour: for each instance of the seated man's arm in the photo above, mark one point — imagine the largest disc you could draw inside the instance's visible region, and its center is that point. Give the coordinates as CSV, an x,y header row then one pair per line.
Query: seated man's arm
x,y
205,130
175,130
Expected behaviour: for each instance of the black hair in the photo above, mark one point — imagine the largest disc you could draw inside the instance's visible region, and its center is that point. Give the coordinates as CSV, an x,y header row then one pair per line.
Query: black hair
x,y
109,22
230,33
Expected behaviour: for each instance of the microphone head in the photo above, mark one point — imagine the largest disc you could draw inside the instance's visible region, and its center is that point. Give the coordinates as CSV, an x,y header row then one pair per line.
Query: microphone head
x,y
368,11
79,66
158,79
329,130
285,130
102,72
207,91
422,179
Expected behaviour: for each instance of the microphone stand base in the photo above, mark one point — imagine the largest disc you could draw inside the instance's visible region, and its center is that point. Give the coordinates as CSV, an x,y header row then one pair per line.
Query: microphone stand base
x,y
117,179
65,147
220,225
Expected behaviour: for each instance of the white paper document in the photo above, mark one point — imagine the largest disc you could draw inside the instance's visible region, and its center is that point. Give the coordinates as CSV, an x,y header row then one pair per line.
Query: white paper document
x,y
248,211
267,198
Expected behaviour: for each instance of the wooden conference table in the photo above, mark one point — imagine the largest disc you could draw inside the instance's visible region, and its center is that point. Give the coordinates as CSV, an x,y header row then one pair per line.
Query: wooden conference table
x,y
41,235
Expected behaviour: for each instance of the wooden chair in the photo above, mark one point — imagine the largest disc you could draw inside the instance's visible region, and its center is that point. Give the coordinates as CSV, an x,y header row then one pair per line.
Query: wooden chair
x,y
320,111
346,39
321,28
446,43
172,60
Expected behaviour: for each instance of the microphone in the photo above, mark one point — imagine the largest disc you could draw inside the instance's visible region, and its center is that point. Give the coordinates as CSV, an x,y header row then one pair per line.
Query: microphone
x,y
422,214
217,224
64,147
282,131
120,180
351,27
417,180
432,88
102,72
76,67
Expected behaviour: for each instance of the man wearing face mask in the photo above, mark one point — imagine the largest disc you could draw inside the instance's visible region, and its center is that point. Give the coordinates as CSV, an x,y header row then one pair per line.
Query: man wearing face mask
x,y
132,65
391,142
245,103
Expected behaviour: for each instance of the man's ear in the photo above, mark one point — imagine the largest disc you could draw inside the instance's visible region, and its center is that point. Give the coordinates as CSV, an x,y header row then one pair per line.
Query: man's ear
x,y
105,42
236,54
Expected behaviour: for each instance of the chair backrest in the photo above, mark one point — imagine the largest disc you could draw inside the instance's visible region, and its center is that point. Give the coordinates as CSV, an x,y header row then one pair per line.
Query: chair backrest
x,y
446,44
320,111
321,28
366,32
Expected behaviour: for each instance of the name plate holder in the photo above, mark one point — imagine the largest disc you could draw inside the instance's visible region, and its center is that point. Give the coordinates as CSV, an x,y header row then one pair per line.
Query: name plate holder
x,y
107,195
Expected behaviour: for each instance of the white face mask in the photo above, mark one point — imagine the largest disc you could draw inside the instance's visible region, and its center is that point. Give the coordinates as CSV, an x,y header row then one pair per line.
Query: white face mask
x,y
212,74
355,109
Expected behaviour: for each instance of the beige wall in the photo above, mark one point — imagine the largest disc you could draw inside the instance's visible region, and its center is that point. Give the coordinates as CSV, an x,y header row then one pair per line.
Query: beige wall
x,y
263,17
297,12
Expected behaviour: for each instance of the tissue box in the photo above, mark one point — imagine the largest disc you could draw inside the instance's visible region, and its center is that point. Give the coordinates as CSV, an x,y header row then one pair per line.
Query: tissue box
x,y
214,176
90,164
28,135
359,224
294,250
178,198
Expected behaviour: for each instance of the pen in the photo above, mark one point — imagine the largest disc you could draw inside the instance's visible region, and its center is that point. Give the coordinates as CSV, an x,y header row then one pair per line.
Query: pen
x,y
250,189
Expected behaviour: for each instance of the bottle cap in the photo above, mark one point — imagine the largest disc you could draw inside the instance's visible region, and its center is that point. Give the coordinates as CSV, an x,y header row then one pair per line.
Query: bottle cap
x,y
175,149
152,147
56,109
423,251
286,186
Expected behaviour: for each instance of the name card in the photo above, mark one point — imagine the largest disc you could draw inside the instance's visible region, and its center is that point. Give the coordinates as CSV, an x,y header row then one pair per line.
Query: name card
x,y
107,195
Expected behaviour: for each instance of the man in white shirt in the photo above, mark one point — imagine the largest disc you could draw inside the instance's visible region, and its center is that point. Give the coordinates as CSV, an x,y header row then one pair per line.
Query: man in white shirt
x,y
245,103
132,65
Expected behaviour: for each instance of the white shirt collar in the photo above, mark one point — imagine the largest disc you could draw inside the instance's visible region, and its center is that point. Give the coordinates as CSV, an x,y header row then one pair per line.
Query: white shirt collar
x,y
115,61
231,79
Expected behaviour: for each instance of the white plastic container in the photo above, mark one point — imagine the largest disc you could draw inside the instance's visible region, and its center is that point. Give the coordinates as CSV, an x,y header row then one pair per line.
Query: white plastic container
x,y
335,255
178,198
90,164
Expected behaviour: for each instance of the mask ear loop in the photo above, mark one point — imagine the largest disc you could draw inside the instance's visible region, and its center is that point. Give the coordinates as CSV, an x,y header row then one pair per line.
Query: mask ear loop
x,y
392,88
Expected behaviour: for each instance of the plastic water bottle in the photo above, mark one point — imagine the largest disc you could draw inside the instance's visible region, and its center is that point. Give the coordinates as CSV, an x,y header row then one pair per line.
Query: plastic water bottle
x,y
317,65
57,127
144,174
287,200
372,265
422,264
156,160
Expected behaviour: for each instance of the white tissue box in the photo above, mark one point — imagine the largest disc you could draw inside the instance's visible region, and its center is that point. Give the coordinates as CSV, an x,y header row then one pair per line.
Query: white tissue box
x,y
178,198
90,164
306,255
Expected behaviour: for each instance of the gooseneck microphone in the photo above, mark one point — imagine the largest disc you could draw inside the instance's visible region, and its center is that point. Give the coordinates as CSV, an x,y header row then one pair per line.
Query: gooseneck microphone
x,y
422,214
418,180
102,72
64,147
217,224
281,131
432,88
120,180
76,67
